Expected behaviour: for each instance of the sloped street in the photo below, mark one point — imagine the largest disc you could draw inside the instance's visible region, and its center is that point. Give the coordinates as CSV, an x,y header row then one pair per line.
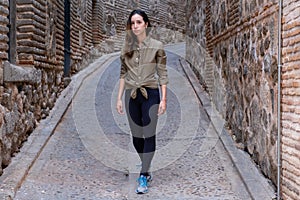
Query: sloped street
x,y
88,153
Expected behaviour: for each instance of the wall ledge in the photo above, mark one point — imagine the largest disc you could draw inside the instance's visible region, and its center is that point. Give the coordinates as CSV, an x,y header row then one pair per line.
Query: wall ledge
x,y
13,73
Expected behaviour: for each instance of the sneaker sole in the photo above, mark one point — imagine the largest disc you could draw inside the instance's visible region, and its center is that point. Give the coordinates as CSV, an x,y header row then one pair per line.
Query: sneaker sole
x,y
141,192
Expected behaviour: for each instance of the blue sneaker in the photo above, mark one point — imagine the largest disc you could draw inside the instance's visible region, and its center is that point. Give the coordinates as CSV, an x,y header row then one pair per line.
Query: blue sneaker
x,y
142,185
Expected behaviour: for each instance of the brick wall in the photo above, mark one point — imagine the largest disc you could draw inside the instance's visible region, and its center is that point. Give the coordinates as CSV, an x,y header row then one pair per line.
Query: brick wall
x,y
3,35
81,33
32,74
167,17
237,43
97,21
3,56
32,53
232,46
291,100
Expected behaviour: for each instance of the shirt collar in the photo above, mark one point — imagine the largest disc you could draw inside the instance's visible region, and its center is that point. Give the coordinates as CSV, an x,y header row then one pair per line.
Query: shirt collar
x,y
145,43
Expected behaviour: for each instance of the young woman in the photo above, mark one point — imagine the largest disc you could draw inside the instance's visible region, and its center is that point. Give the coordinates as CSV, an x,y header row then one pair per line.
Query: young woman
x,y
143,70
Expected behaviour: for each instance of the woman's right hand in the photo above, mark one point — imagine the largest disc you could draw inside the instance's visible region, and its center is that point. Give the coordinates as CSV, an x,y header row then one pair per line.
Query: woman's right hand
x,y
120,107
119,98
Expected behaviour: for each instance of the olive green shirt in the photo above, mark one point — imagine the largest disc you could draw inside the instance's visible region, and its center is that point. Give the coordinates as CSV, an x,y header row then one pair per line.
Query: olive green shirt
x,y
146,67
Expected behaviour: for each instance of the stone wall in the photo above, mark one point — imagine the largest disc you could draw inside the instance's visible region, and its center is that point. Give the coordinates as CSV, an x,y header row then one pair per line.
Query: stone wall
x,y
31,82
3,56
32,63
291,100
167,18
232,46
81,33
32,54
3,37
97,22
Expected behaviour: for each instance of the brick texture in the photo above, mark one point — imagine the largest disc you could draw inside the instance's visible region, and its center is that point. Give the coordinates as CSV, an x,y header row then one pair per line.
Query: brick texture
x,y
232,45
32,41
291,100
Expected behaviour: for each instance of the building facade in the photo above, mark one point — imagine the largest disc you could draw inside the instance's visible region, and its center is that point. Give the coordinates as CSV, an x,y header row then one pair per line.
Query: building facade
x,y
290,118
44,42
231,45
233,48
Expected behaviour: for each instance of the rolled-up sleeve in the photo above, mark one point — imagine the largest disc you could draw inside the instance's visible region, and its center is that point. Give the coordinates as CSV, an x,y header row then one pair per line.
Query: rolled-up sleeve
x,y
123,70
162,73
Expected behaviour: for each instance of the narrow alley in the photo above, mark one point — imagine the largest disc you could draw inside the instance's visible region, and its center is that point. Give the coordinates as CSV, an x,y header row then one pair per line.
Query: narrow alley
x,y
87,154
231,88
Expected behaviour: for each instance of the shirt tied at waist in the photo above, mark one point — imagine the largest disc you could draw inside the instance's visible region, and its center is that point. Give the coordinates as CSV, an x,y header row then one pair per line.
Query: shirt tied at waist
x,y
134,92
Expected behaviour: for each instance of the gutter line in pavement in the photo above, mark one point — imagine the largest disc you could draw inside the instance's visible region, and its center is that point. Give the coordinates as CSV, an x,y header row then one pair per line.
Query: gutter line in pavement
x,y
14,175
265,189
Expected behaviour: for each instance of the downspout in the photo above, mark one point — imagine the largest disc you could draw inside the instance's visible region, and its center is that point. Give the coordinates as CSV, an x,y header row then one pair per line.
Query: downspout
x,y
279,103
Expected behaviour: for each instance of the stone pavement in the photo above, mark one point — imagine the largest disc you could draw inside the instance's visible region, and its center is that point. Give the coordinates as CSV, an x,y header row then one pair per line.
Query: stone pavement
x,y
83,150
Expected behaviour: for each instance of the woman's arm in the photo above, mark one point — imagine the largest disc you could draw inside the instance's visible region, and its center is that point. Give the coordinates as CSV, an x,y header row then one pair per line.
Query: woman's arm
x,y
163,102
163,78
120,94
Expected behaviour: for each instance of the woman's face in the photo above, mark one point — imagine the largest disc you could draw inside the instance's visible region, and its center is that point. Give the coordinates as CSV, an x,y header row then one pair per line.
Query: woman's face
x,y
138,25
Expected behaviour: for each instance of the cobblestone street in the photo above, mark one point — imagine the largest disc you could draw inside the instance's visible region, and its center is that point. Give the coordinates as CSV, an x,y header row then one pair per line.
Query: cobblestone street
x,y
90,155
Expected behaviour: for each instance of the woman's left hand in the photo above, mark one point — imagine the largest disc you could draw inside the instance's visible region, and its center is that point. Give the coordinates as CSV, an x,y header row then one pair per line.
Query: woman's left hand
x,y
162,107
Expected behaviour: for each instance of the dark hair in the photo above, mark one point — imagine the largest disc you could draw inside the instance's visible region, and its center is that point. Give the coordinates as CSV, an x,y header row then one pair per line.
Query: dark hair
x,y
131,39
142,14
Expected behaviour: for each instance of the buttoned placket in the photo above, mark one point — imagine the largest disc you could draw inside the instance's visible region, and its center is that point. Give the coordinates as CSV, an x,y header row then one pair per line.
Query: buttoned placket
x,y
138,82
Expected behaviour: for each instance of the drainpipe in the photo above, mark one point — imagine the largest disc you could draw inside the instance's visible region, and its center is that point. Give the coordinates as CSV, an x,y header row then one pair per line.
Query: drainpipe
x,y
279,103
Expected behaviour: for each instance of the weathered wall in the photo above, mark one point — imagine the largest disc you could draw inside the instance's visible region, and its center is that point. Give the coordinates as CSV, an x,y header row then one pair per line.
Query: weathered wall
x,y
31,84
81,33
167,18
3,36
97,22
291,100
232,45
32,53
32,76
3,56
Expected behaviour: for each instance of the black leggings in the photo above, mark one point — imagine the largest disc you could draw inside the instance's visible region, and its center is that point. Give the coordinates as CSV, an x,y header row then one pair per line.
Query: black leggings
x,y
142,117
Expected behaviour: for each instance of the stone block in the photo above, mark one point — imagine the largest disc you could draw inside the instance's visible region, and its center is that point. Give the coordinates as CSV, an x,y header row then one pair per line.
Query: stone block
x,y
14,73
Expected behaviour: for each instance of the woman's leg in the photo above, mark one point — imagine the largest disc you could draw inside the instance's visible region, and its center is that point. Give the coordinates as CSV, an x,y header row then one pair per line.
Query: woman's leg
x,y
142,117
149,112
134,115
